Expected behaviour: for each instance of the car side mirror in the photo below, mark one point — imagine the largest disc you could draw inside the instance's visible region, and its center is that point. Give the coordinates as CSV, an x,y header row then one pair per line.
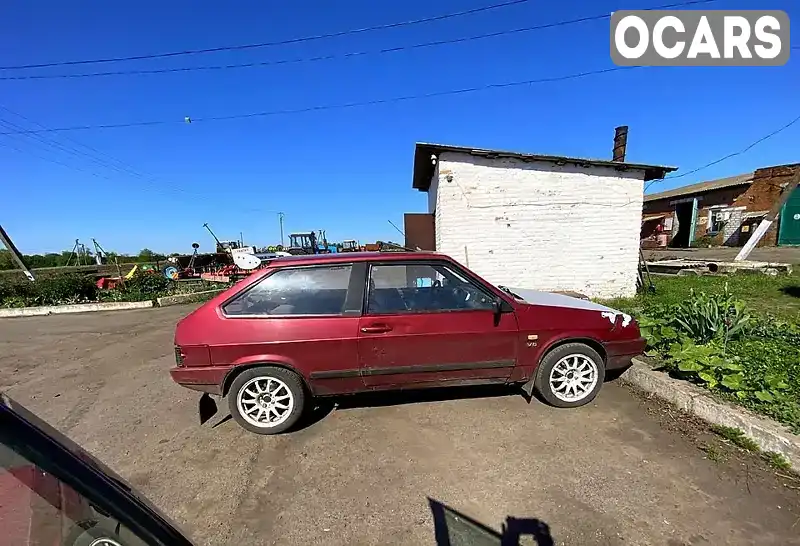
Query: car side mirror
x,y
497,309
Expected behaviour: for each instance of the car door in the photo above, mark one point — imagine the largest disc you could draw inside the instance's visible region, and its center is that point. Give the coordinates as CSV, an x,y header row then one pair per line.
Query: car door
x,y
428,322
305,317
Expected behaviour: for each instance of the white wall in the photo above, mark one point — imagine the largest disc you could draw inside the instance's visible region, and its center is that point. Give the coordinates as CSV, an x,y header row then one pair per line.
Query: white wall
x,y
537,225
433,190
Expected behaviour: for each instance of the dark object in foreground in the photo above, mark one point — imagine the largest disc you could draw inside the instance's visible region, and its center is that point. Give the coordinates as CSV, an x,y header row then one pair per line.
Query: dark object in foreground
x,y
53,492
207,408
452,528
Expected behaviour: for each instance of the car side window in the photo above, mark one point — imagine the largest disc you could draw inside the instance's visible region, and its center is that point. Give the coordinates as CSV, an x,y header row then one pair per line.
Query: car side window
x,y
295,291
422,288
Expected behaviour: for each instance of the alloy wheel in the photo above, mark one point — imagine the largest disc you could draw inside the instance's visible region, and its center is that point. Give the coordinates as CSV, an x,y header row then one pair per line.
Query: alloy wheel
x,y
265,402
573,377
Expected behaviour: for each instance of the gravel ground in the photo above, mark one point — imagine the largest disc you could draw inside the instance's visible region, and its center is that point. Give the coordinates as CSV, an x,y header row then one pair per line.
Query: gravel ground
x,y
471,464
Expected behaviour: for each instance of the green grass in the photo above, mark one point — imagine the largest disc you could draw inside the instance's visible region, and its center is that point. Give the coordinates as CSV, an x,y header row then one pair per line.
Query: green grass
x,y
778,296
714,453
777,461
736,437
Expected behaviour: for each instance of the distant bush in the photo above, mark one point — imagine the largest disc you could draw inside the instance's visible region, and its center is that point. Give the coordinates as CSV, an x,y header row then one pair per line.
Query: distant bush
x,y
148,283
72,288
55,290
67,288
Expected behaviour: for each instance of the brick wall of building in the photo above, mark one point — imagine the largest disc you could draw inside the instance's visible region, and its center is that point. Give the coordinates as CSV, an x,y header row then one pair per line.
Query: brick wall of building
x,y
725,196
768,184
737,202
538,225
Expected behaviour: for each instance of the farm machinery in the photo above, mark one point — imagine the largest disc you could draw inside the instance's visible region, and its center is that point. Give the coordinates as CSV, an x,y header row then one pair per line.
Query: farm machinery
x,y
231,259
309,243
350,245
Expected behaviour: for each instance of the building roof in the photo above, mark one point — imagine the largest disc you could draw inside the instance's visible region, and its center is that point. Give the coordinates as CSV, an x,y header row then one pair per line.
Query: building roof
x,y
721,183
424,167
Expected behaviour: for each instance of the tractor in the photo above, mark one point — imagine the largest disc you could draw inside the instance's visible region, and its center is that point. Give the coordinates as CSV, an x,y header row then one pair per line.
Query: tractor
x,y
308,243
350,246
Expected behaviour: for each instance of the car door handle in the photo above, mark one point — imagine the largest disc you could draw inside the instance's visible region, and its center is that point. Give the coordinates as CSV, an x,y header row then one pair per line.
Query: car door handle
x,y
376,329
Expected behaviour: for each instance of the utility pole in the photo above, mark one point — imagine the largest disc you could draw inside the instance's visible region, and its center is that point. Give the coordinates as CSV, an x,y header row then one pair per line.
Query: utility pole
x,y
15,255
280,220
765,224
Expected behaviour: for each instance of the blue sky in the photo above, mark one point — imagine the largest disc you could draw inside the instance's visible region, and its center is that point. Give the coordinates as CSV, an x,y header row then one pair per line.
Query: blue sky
x,y
347,171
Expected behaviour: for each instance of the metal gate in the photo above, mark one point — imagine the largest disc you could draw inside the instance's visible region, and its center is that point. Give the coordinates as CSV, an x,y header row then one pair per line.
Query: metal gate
x,y
790,221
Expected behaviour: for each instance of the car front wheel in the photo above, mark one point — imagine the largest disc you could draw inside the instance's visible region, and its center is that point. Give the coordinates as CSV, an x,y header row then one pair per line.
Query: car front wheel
x,y
266,400
570,375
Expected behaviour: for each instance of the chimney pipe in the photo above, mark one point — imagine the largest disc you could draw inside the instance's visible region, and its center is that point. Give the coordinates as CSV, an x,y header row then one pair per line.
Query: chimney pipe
x,y
620,143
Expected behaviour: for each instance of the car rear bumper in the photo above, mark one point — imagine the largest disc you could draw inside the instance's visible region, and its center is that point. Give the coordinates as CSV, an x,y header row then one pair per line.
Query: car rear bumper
x,y
621,353
208,380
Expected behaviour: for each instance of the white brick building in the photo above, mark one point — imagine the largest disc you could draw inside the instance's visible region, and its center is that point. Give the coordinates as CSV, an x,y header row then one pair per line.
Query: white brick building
x,y
530,221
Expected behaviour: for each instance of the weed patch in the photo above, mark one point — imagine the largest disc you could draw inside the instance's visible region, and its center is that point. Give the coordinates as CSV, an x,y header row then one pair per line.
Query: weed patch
x,y
736,437
710,331
777,461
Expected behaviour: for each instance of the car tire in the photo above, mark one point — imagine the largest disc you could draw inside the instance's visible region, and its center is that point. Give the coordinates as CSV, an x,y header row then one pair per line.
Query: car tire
x,y
570,375
267,399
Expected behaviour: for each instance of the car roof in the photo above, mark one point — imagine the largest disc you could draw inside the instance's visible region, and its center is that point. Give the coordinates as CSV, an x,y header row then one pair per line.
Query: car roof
x,y
339,257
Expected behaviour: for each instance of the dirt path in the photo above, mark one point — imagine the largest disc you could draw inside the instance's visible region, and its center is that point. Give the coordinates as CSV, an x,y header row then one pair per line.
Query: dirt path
x,y
388,469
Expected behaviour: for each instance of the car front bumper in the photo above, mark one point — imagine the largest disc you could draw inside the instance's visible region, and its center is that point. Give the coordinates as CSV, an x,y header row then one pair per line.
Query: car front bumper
x,y
621,353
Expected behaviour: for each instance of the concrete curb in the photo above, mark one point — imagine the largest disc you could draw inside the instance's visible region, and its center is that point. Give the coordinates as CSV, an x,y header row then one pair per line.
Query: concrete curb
x,y
768,434
77,308
182,298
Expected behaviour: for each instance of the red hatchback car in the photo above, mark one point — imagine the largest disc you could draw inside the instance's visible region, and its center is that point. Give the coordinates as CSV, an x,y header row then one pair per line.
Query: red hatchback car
x,y
322,325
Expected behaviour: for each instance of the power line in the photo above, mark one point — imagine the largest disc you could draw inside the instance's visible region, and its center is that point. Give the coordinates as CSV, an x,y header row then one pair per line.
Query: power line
x,y
302,39
340,55
46,143
340,106
51,160
123,168
53,143
740,152
126,167
726,157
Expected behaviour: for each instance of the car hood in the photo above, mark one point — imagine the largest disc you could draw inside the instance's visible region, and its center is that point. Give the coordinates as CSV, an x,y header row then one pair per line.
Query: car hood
x,y
549,299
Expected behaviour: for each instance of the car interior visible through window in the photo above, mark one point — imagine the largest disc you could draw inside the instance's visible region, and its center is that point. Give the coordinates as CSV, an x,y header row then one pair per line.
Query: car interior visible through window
x,y
422,288
295,291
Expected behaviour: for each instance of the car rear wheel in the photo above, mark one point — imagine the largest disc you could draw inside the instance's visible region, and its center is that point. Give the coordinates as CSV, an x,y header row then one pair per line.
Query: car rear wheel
x,y
266,400
570,375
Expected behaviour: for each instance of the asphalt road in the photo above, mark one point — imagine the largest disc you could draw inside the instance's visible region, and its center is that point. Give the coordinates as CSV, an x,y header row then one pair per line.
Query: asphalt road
x,y
383,469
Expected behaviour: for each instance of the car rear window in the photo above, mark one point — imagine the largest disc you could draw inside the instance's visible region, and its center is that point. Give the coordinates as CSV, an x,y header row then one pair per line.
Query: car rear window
x,y
295,291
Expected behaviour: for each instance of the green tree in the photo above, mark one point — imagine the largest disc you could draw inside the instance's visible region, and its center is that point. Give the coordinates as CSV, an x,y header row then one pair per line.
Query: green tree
x,y
6,261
